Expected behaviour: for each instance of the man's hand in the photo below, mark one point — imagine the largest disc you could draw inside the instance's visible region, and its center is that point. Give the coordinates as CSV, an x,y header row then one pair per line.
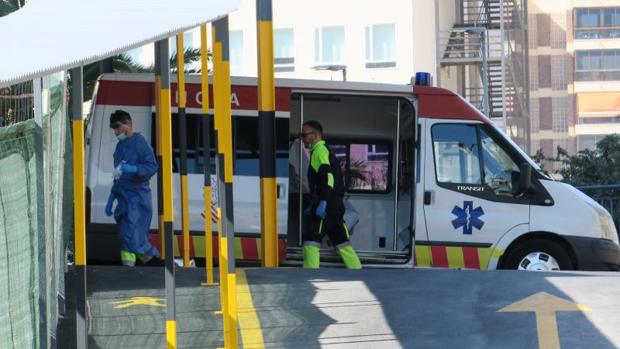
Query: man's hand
x,y
129,168
117,173
108,206
320,209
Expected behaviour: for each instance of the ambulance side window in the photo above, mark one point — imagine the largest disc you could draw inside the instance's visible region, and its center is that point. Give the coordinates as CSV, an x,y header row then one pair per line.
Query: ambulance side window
x,y
456,152
246,146
365,164
195,148
500,171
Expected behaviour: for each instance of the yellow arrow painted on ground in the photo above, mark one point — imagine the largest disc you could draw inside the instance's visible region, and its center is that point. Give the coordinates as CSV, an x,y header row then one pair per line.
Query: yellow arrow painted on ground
x,y
545,306
133,301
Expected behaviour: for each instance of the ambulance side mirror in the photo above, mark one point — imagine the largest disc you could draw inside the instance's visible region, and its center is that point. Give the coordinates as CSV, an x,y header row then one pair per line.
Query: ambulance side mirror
x,y
525,180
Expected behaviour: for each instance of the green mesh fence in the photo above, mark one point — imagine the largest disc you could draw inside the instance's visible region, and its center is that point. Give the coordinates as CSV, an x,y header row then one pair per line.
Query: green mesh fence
x,y
35,222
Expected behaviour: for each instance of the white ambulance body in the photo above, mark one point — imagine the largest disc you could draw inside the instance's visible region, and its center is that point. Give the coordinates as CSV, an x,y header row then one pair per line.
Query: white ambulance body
x,y
434,182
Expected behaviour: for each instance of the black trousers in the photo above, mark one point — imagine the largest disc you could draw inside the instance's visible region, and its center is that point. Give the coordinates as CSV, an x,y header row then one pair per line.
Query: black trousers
x,y
332,225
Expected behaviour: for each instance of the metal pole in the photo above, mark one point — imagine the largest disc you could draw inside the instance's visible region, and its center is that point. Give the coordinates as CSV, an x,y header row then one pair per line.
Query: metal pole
x,y
397,172
166,146
206,131
267,134
301,174
224,137
79,208
183,145
223,251
502,28
160,183
106,65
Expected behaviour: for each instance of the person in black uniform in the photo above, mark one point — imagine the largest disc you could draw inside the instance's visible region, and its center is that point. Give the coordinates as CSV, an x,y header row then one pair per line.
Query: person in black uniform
x,y
325,214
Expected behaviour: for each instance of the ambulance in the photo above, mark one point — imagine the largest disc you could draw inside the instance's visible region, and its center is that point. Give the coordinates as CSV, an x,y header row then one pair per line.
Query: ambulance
x,y
432,181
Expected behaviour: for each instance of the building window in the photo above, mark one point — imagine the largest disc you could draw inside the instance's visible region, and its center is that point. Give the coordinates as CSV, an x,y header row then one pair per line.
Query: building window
x,y
380,46
597,23
236,52
597,65
284,50
329,45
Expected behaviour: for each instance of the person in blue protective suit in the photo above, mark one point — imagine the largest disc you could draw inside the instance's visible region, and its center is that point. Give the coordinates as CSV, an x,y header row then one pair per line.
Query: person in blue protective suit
x,y
134,165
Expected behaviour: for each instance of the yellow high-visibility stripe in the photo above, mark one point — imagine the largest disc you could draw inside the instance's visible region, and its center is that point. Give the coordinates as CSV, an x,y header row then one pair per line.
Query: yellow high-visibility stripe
x,y
166,139
330,180
185,219
160,217
231,289
269,225
266,93
208,243
238,249
249,324
171,334
455,257
217,66
423,256
225,132
175,244
223,248
79,206
484,254
259,248
181,71
204,75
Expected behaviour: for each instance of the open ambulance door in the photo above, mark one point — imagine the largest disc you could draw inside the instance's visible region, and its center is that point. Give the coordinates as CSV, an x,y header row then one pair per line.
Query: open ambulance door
x,y
373,137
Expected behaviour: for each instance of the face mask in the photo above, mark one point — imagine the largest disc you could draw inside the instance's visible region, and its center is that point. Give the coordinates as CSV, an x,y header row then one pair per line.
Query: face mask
x,y
122,136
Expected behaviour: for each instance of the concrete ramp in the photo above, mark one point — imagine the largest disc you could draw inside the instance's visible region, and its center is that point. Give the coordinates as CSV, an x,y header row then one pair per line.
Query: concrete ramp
x,y
370,308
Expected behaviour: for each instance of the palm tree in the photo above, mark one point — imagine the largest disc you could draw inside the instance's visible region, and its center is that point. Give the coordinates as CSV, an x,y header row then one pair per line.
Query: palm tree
x,y
8,6
124,63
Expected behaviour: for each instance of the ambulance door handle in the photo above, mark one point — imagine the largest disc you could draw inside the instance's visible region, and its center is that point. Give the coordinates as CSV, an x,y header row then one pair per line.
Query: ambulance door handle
x,y
280,190
427,197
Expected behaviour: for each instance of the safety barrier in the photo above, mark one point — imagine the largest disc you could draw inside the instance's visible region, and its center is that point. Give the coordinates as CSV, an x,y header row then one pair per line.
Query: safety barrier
x,y
35,220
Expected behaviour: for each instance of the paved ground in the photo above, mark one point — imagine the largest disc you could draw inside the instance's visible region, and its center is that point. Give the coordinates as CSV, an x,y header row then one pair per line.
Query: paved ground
x,y
371,308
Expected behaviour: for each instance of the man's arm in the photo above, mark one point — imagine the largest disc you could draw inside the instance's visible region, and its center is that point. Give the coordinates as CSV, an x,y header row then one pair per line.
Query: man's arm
x,y
147,165
325,176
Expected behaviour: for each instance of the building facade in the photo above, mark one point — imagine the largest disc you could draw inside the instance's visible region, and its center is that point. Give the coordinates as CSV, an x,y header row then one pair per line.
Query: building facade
x,y
574,73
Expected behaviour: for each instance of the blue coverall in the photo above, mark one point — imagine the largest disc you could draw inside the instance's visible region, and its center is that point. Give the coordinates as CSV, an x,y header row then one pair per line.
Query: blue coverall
x,y
133,194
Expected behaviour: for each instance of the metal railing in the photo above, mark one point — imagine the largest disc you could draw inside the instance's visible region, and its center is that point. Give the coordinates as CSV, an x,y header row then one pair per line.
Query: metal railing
x,y
16,103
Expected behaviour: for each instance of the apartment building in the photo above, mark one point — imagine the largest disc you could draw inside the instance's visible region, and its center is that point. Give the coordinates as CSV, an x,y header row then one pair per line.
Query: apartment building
x,y
574,73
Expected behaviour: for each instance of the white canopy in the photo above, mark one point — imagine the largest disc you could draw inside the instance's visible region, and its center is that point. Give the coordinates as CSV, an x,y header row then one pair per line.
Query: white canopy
x,y
48,36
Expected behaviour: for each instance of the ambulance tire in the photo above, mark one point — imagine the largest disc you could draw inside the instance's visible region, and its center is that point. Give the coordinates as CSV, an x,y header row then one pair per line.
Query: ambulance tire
x,y
525,248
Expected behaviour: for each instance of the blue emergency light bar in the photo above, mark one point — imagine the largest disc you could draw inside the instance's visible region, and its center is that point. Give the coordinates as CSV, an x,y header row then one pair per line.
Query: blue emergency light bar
x,y
423,79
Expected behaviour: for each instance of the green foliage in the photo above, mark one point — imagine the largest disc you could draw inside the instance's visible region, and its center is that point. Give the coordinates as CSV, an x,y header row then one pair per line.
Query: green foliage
x,y
590,166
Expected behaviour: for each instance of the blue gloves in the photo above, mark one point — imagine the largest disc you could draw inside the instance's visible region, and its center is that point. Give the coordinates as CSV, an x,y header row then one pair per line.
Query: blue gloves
x,y
129,168
320,209
108,205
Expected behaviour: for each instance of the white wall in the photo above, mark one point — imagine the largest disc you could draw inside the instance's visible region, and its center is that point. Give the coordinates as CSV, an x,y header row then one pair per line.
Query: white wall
x,y
414,26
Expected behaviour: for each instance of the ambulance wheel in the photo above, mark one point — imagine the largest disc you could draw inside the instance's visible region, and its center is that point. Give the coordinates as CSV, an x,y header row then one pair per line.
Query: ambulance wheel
x,y
538,255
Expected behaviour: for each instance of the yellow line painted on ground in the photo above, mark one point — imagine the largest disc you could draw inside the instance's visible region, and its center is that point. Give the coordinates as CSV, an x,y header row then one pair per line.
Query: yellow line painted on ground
x,y
140,300
249,325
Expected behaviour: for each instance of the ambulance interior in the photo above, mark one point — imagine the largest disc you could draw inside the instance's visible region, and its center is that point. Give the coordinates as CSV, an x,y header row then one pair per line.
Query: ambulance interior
x,y
373,137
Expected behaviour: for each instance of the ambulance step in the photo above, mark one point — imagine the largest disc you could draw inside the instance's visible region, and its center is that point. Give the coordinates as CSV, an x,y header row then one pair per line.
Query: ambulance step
x,y
294,256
